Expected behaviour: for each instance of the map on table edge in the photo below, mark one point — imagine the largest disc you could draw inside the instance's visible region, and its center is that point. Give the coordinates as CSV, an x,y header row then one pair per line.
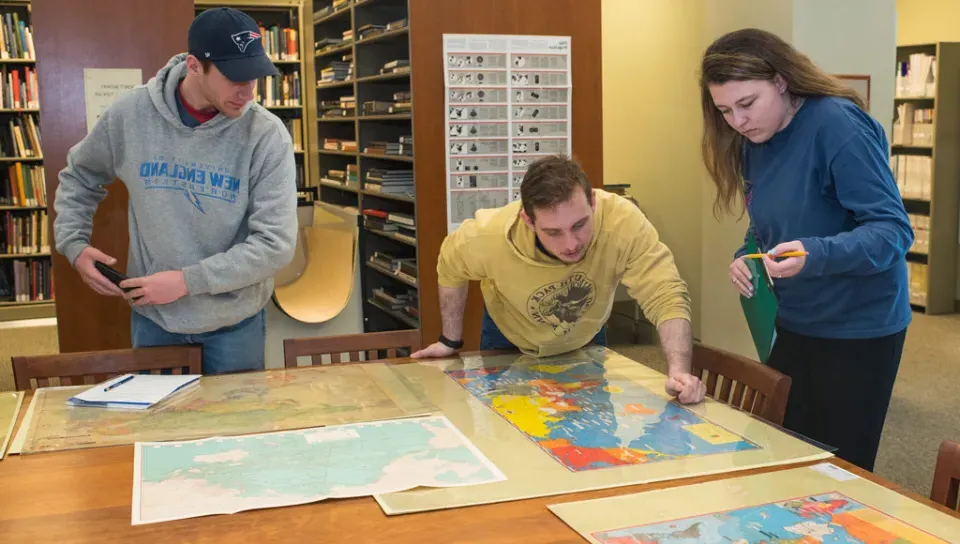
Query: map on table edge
x,y
230,404
587,420
828,518
10,402
223,475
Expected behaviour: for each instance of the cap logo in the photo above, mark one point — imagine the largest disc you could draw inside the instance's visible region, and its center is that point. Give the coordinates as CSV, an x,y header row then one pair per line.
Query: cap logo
x,y
243,39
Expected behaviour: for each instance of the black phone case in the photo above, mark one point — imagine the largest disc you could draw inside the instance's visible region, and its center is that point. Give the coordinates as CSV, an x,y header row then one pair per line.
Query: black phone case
x,y
111,274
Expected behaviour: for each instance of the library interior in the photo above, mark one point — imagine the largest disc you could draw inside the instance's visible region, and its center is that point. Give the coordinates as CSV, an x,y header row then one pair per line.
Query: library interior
x,y
657,271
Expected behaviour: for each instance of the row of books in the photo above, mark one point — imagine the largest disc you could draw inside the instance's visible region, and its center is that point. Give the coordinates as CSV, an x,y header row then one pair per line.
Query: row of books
x,y
301,178
917,280
282,90
382,107
349,177
336,71
921,233
913,126
280,43
16,41
916,76
403,147
371,30
20,90
397,66
337,5
392,181
336,144
404,268
914,175
323,45
399,299
295,128
24,233
26,280
24,186
22,139
343,107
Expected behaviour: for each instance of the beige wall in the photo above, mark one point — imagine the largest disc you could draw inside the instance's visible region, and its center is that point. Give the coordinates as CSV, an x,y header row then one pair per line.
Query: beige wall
x,y
927,21
651,119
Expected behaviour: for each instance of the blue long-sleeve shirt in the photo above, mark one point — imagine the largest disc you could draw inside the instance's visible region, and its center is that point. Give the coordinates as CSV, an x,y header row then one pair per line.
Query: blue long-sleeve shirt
x,y
825,180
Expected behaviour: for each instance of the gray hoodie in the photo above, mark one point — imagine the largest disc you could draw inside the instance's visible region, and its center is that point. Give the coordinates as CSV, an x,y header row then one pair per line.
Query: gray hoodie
x,y
217,201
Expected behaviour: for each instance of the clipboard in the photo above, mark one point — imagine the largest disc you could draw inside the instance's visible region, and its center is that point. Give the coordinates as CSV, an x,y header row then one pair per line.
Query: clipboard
x,y
760,310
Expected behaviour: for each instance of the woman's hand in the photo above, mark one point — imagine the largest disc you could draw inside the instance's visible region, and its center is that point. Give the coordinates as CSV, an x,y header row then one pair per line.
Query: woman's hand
x,y
788,267
741,277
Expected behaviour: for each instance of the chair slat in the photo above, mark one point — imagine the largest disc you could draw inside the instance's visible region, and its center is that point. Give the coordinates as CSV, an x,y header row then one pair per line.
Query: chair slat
x,y
743,383
359,347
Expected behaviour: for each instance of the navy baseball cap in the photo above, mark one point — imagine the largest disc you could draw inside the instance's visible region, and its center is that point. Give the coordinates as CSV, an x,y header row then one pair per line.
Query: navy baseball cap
x,y
231,40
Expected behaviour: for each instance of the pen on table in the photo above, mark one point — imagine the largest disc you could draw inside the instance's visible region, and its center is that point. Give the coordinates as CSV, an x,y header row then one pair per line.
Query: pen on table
x,y
119,383
784,254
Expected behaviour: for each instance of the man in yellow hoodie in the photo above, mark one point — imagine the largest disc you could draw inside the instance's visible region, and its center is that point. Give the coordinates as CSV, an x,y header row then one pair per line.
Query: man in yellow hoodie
x,y
549,266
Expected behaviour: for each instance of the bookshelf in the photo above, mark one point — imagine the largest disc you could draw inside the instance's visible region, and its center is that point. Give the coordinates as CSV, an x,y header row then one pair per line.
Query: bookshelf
x,y
26,277
926,134
365,146
281,28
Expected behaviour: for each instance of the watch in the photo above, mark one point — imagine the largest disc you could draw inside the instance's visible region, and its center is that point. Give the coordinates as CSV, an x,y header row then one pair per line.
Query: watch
x,y
452,344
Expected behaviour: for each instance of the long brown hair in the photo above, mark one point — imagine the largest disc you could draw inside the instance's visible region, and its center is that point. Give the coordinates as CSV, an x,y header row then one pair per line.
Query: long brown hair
x,y
751,54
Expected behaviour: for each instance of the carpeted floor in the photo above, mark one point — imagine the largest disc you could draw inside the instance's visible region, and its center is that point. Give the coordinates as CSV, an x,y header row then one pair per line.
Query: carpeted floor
x,y
925,407
924,410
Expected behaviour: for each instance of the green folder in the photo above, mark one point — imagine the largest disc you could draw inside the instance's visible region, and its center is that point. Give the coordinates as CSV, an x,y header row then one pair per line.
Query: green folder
x,y
760,309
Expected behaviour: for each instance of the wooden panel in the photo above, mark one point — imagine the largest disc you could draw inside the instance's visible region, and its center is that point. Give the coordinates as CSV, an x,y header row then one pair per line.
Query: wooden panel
x,y
429,20
71,35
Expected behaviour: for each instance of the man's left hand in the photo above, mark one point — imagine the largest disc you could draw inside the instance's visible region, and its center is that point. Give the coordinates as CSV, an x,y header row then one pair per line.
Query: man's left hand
x,y
686,387
159,288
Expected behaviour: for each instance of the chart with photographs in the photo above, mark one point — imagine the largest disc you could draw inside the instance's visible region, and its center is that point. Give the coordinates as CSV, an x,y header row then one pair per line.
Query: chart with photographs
x,y
508,104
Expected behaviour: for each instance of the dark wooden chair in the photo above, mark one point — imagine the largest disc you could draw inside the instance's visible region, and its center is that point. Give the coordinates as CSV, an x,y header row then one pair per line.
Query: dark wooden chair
x,y
946,477
375,345
741,382
92,367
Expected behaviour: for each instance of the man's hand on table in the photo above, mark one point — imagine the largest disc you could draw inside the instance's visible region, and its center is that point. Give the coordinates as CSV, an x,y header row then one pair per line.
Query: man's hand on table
x,y
686,387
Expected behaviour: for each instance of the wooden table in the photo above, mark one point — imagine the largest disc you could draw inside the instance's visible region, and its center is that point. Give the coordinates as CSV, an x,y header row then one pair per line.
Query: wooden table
x,y
85,496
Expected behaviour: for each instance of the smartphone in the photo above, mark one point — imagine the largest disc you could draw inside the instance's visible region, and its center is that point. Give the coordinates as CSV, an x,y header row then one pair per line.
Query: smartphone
x,y
112,274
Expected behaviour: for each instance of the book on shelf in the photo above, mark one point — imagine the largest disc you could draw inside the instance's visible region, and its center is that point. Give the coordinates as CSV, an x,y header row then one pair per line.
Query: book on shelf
x,y
24,233
282,90
399,148
26,280
323,45
344,177
916,77
25,185
295,128
395,298
396,25
921,233
21,139
301,178
336,71
336,144
405,268
20,90
914,175
370,30
917,282
17,39
395,67
280,43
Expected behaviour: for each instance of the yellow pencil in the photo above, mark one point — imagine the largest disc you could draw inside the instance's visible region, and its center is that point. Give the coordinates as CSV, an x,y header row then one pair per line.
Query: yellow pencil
x,y
784,254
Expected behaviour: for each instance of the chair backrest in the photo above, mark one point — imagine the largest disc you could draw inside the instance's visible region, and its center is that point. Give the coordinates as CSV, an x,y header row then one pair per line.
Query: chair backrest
x,y
375,345
946,477
741,382
92,367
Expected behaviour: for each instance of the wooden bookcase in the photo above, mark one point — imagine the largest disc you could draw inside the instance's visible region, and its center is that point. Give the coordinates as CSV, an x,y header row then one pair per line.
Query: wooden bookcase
x,y
37,277
283,14
933,261
355,42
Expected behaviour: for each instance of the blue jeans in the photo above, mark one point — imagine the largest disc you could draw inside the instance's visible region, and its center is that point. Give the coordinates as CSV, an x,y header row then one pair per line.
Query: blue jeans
x,y
492,338
228,349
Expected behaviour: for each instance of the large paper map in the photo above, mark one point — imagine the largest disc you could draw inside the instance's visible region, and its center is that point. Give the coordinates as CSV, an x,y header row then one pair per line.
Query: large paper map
x,y
829,518
227,405
588,420
819,504
176,480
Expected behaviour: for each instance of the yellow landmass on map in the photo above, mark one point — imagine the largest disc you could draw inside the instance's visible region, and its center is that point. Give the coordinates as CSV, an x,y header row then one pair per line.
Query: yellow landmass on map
x,y
870,525
712,434
553,369
529,414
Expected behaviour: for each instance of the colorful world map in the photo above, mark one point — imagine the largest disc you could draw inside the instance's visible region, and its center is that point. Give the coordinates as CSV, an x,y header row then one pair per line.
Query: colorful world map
x,y
587,420
831,518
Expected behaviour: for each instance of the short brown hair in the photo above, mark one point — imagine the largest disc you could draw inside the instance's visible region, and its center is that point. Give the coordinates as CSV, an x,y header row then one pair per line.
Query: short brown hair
x,y
551,181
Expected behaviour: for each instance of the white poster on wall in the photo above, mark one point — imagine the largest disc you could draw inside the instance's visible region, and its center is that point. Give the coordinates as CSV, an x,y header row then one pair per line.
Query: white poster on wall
x,y
102,86
508,103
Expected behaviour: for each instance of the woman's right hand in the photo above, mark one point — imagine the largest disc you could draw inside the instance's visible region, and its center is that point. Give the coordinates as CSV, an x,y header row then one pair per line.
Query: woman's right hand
x,y
741,277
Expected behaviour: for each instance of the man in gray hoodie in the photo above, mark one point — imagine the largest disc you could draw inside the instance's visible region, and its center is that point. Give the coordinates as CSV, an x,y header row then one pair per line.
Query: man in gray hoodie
x,y
212,213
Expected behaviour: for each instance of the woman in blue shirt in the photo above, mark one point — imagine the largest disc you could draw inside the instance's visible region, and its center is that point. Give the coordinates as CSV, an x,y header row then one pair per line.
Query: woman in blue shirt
x,y
796,147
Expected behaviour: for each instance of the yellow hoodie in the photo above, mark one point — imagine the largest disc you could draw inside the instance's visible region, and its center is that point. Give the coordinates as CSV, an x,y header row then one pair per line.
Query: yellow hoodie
x,y
545,306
